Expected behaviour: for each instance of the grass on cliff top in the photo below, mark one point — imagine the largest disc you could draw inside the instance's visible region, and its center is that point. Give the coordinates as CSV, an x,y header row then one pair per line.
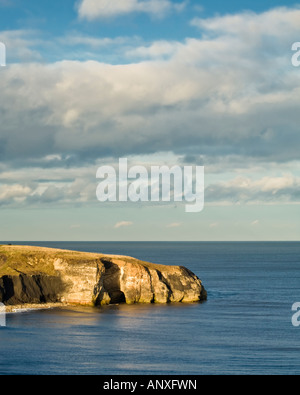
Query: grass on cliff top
x,y
15,260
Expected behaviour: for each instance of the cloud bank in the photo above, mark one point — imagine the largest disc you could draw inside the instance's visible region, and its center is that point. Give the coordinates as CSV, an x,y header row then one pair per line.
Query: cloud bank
x,y
97,9
230,93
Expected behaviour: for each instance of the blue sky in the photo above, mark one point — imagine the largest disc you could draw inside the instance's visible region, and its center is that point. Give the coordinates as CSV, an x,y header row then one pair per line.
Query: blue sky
x,y
159,82
56,19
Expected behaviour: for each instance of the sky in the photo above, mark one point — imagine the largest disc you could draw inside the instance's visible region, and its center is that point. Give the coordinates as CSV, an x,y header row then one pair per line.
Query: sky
x,y
160,82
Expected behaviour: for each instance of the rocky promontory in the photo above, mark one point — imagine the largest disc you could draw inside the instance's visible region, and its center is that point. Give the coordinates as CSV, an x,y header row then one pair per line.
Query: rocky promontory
x,y
37,275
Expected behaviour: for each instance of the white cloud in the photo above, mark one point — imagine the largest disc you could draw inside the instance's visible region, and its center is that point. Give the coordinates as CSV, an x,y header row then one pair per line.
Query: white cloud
x,y
174,225
275,184
95,42
253,191
13,193
20,45
157,49
278,21
123,224
94,9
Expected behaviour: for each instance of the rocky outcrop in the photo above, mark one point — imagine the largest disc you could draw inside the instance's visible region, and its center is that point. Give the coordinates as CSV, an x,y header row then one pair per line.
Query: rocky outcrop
x,y
23,289
41,275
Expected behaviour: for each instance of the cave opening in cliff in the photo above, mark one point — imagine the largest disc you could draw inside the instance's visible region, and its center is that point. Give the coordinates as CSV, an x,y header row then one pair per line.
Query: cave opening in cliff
x,y
117,297
111,282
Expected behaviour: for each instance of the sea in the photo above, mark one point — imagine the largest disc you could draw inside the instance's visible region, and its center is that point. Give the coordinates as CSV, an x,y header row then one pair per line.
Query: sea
x,y
244,328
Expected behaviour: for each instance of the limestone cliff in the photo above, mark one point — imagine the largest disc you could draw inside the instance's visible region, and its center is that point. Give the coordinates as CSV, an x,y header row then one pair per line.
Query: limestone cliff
x,y
42,275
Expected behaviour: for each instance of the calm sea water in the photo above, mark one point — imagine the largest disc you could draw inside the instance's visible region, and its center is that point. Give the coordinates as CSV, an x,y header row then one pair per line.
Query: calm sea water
x,y
244,327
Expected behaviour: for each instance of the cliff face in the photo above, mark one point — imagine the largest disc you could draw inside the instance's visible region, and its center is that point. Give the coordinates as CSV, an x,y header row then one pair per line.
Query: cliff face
x,y
22,289
41,275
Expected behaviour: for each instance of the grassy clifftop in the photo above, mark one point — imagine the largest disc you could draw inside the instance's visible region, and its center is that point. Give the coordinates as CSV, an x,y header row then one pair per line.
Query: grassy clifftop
x,y
30,260
37,260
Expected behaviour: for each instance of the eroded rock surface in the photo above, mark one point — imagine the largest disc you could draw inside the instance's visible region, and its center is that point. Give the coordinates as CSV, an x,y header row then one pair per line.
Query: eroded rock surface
x,y
42,275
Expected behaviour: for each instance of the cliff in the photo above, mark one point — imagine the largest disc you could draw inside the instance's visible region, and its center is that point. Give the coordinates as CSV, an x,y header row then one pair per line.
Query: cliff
x,y
42,275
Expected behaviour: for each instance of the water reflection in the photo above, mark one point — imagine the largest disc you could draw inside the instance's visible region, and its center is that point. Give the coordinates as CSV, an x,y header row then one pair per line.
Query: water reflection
x,y
96,340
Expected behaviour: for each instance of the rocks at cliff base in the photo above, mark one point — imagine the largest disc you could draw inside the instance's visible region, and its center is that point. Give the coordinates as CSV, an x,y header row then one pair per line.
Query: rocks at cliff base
x,y
23,289
41,275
